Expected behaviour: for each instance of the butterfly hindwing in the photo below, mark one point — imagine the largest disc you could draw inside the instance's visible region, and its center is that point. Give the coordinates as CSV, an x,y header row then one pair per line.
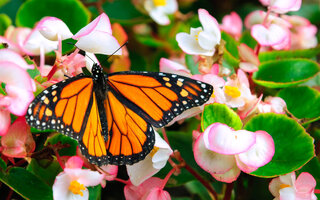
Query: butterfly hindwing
x,y
131,138
158,97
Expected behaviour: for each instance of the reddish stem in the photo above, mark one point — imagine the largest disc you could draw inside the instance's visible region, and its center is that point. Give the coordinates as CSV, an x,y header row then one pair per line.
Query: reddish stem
x,y
164,133
317,191
227,194
9,195
122,181
59,160
204,183
165,180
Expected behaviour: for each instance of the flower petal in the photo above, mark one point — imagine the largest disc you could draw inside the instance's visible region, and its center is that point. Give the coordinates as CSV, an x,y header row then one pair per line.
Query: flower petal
x,y
159,16
209,24
4,121
36,41
189,45
305,185
74,162
52,28
261,152
111,171
272,35
96,41
11,56
229,176
207,41
222,139
101,23
287,193
158,194
170,66
211,161
85,176
19,99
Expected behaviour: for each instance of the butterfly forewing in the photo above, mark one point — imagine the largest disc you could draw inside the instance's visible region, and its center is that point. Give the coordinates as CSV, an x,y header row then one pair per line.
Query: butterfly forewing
x,y
70,107
158,97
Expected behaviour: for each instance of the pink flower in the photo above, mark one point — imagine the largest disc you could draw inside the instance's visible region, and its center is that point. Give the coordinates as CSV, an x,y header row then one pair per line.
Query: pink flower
x,y
272,104
160,9
270,35
15,37
151,189
169,66
223,152
201,40
94,37
232,24
288,187
282,6
72,182
236,92
19,87
18,142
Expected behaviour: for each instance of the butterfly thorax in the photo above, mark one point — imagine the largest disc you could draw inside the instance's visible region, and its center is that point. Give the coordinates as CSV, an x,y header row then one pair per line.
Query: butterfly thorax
x,y
100,83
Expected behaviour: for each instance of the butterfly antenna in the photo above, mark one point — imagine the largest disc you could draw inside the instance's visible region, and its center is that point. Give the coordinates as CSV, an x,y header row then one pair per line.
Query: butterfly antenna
x,y
118,49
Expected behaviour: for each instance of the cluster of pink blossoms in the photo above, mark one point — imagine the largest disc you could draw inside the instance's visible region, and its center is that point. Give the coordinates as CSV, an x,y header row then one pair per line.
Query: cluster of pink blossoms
x,y
219,150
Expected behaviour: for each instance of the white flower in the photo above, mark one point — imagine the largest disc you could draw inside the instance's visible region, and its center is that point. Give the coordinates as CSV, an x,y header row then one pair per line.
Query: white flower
x,y
153,162
54,29
201,40
159,9
72,182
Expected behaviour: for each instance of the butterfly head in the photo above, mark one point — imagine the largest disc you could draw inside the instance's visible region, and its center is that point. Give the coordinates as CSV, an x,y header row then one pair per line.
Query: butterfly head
x,y
98,76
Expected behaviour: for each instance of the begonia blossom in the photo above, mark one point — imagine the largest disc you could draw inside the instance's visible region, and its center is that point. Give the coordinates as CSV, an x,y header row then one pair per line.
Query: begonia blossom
x,y
94,37
152,163
150,189
72,183
160,9
287,187
201,40
272,104
232,24
18,142
224,153
282,6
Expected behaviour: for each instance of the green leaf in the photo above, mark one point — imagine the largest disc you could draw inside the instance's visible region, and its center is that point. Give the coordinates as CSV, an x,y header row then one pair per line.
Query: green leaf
x,y
231,44
247,39
124,12
72,12
220,113
3,2
192,66
5,22
26,184
285,73
302,102
195,187
231,53
3,165
95,192
285,54
293,145
45,170
70,151
149,41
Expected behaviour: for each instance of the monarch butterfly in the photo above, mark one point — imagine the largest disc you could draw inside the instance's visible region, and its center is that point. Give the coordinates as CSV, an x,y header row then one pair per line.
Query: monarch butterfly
x,y
112,116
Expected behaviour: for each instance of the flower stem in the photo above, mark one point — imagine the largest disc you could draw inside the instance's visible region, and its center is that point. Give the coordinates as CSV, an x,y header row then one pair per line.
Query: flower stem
x,y
164,133
165,180
227,194
59,160
204,183
122,181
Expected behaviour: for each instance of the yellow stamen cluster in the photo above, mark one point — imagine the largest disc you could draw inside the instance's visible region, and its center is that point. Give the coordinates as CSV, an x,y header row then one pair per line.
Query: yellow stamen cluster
x,y
197,36
154,151
76,188
284,186
159,2
231,91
